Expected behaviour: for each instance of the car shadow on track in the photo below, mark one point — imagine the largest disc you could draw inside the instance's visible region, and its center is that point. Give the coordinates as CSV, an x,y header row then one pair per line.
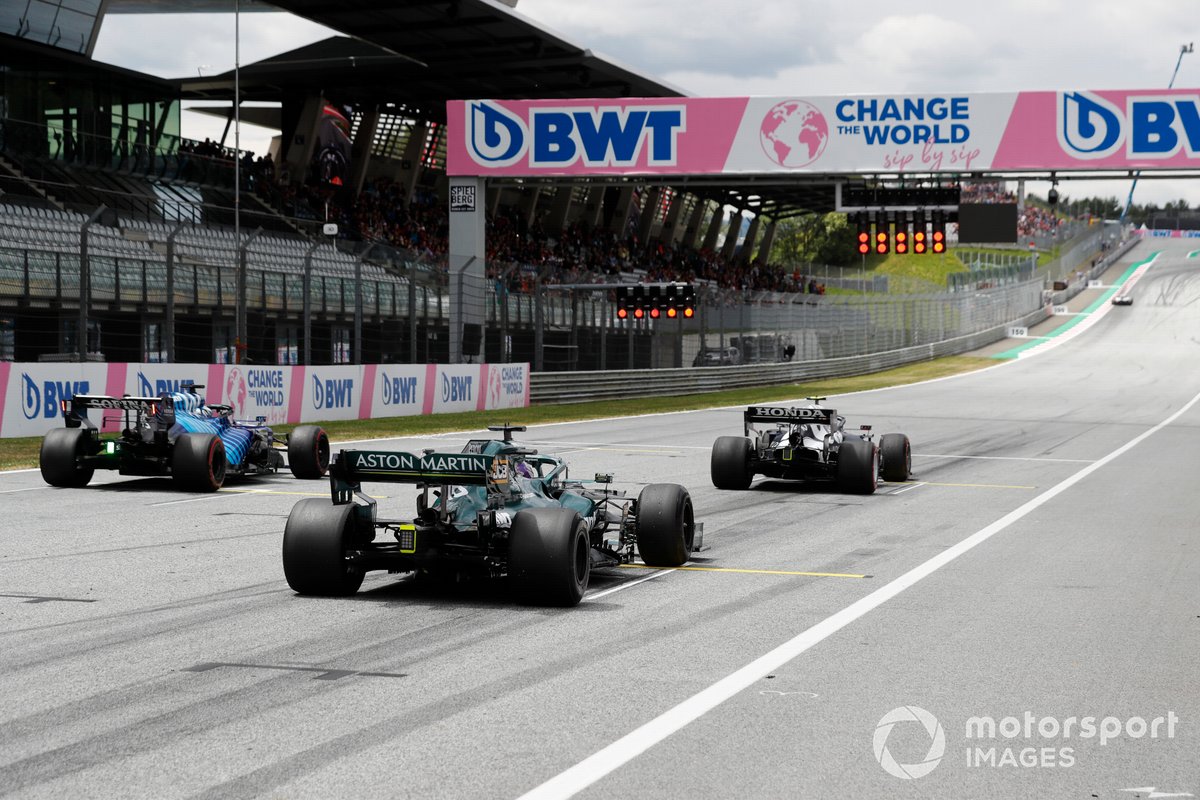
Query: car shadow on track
x,y
466,592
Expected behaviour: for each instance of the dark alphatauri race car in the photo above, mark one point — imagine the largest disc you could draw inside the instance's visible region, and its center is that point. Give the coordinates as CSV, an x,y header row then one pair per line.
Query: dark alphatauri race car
x,y
808,444
175,434
496,509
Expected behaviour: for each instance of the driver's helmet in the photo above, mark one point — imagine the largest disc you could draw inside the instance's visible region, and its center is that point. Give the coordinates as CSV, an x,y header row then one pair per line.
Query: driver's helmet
x,y
524,470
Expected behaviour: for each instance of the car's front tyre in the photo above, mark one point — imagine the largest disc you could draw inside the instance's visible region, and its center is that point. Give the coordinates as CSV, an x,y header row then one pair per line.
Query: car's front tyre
x,y
308,452
895,453
666,525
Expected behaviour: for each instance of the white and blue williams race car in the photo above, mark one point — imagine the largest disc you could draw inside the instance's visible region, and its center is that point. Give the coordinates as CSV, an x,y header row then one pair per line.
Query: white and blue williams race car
x,y
810,443
177,434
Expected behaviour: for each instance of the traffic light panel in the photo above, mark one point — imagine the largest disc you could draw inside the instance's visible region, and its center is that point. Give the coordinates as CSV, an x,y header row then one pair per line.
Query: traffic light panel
x,y
863,222
920,236
656,301
901,237
938,235
881,233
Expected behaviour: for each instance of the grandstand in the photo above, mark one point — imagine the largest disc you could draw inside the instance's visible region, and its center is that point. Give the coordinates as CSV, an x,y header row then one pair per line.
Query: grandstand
x,y
107,210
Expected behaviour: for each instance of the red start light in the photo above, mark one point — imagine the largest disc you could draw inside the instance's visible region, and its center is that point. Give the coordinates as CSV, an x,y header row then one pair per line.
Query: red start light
x,y
638,313
863,237
654,313
672,313
881,236
881,247
689,313
622,313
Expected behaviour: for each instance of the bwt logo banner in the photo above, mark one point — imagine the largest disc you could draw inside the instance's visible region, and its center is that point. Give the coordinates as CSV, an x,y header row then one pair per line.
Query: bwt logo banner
x,y
332,393
399,391
599,136
149,388
458,388
1091,127
40,400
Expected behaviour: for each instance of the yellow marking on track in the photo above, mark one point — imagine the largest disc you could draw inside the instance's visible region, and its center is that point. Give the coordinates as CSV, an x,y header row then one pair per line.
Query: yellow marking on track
x,y
753,571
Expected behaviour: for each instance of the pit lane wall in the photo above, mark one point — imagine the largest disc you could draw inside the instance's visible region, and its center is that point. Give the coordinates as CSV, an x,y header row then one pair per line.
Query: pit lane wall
x,y
32,392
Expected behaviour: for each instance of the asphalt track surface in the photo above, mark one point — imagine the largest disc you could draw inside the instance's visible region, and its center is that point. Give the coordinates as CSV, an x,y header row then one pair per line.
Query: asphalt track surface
x,y
1043,560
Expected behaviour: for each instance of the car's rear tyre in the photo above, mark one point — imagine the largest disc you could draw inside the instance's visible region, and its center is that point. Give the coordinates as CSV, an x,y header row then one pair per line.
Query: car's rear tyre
x,y
198,462
666,525
59,458
858,466
895,453
730,464
549,556
315,541
308,452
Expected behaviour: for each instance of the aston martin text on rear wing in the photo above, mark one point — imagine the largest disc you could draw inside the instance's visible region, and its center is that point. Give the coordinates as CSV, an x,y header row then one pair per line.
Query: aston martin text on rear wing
x,y
791,416
352,467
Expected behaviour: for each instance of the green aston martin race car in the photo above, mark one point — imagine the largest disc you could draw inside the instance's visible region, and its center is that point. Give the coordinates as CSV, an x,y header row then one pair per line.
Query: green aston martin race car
x,y
497,509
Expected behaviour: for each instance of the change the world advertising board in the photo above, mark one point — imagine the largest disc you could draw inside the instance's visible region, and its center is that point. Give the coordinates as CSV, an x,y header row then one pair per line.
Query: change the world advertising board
x,y
948,132
32,392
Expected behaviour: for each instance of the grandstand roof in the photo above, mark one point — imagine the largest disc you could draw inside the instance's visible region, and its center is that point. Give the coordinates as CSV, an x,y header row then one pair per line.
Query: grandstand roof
x,y
421,53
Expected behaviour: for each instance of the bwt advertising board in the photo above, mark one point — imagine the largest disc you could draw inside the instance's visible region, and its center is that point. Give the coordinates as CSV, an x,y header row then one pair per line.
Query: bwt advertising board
x,y
32,392
956,132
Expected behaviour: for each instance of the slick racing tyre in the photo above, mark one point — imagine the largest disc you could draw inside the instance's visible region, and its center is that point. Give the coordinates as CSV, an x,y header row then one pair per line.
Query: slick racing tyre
x,y
895,455
308,452
198,462
730,464
549,556
858,466
666,525
59,458
315,541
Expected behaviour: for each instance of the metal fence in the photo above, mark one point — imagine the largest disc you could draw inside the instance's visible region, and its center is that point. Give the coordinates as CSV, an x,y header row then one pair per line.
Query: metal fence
x,y
399,304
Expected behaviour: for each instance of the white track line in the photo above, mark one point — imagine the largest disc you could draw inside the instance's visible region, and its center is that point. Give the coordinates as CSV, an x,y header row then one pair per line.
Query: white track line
x,y
628,584
1007,458
27,489
214,496
594,767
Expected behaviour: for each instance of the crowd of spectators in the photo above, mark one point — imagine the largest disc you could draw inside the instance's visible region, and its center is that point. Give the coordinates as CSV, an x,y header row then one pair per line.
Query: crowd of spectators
x,y
1035,221
518,248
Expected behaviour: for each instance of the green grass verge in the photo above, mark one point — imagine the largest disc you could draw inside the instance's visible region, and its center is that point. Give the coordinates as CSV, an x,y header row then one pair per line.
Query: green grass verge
x,y
23,452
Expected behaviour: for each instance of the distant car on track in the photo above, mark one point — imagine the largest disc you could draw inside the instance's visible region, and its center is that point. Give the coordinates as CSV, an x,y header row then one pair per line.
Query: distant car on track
x,y
497,509
1122,299
175,434
808,443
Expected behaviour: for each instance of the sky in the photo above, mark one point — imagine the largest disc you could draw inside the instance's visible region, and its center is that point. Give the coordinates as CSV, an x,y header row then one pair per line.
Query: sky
x,y
777,47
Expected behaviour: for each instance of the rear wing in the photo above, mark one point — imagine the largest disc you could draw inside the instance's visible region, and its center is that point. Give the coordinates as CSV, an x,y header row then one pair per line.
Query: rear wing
x,y
352,467
75,409
789,416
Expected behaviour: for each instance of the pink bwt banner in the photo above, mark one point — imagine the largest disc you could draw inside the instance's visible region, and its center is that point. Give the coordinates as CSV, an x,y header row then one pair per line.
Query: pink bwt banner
x,y
1067,130
33,393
